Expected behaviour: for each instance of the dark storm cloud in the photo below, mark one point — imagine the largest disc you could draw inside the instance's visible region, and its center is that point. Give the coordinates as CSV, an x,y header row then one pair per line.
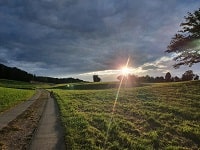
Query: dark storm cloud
x,y
54,37
3,61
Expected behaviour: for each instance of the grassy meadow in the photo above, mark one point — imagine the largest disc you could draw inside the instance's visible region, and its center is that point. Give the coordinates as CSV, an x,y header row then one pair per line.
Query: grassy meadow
x,y
10,97
14,92
24,85
86,86
155,116
16,84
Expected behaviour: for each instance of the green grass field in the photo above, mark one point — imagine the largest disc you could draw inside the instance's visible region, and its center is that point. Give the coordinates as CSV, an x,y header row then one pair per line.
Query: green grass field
x,y
23,85
86,86
14,92
156,116
10,97
16,84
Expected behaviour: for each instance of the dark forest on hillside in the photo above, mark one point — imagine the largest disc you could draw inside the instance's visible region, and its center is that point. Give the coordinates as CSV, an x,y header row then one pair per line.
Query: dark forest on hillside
x,y
13,73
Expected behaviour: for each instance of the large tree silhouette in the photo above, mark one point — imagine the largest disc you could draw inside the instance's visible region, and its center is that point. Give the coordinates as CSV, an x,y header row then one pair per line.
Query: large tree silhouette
x,y
186,43
188,75
168,77
96,78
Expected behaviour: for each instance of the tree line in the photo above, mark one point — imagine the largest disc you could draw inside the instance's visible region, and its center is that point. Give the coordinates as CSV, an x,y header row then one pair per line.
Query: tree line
x,y
13,73
187,76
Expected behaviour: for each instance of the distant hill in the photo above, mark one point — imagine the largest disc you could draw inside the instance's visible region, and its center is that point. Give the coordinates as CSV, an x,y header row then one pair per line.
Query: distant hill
x,y
13,73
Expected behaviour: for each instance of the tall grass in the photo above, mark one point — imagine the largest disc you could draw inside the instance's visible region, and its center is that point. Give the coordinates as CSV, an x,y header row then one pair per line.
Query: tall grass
x,y
158,116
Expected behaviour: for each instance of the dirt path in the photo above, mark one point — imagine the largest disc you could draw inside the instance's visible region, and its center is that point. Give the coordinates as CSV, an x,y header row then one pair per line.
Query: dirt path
x,y
17,133
49,135
12,113
34,124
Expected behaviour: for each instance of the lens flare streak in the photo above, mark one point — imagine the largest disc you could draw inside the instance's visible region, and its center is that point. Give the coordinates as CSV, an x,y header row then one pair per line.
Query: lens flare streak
x,y
114,105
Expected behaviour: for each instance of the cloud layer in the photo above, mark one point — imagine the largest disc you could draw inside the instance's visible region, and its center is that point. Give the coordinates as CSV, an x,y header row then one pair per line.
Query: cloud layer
x,y
66,37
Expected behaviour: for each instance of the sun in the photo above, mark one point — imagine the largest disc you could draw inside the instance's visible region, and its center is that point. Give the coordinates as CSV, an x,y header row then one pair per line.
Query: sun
x,y
125,71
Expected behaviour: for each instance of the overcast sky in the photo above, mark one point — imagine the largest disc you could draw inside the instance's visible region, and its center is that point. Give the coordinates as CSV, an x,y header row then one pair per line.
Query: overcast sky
x,y
79,38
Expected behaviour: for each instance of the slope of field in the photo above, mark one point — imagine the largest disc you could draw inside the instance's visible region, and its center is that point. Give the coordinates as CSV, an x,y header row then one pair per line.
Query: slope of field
x,y
158,116
16,84
10,97
93,85
24,85
86,86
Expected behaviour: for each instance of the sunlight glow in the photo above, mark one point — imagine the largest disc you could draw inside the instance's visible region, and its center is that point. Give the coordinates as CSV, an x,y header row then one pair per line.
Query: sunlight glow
x,y
125,71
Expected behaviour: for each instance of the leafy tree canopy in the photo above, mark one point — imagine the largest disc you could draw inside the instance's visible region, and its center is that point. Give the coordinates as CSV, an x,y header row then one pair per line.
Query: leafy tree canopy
x,y
188,75
168,77
186,43
96,78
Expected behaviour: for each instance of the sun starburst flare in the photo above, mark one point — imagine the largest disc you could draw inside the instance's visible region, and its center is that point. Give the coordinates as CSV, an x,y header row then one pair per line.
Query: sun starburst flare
x,y
124,70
